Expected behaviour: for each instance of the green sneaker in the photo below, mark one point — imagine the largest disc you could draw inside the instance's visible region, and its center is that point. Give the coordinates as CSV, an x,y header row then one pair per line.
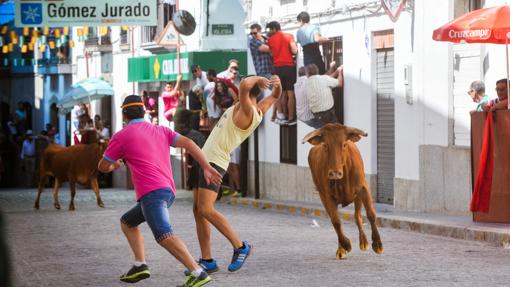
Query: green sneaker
x,y
193,281
135,274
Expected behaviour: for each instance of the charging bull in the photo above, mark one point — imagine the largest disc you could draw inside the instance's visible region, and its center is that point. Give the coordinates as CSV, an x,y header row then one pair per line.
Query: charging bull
x,y
76,164
339,176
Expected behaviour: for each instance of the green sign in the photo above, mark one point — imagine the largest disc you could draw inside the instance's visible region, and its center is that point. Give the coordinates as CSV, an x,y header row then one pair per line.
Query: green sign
x,y
61,13
223,29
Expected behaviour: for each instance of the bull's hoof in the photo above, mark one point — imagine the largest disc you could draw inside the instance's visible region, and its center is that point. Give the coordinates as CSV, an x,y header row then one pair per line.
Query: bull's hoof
x,y
363,244
71,207
377,247
101,205
346,243
341,254
36,206
57,206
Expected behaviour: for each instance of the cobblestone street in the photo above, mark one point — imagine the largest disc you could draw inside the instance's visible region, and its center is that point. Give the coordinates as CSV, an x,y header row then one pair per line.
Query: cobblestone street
x,y
86,248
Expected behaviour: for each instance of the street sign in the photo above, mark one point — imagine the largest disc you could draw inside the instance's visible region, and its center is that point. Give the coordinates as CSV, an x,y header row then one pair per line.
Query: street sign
x,y
169,36
223,29
61,13
393,8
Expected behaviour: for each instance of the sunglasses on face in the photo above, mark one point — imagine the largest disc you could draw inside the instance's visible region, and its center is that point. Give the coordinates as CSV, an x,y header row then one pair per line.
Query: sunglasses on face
x,y
500,89
254,33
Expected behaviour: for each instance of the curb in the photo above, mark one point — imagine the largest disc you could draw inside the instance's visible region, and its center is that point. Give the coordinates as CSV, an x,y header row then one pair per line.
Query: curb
x,y
491,235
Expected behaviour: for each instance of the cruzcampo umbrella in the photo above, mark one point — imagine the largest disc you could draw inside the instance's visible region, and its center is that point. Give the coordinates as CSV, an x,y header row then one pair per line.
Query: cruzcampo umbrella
x,y
487,25
88,89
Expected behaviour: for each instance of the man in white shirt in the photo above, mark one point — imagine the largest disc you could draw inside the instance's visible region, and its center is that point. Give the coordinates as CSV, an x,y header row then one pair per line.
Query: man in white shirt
x,y
28,158
303,112
320,96
199,75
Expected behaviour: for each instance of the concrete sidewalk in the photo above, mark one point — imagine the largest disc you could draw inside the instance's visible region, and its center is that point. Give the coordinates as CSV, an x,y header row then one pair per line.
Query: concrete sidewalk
x,y
460,227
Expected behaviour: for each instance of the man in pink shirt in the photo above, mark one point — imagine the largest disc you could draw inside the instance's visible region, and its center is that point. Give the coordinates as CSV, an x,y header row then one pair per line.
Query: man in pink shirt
x,y
145,149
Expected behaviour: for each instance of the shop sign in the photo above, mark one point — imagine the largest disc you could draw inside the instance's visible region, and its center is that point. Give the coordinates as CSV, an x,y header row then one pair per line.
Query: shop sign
x,y
223,29
62,13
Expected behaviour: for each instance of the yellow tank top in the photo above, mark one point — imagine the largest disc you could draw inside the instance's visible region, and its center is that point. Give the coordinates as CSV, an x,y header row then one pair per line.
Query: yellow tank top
x,y
226,136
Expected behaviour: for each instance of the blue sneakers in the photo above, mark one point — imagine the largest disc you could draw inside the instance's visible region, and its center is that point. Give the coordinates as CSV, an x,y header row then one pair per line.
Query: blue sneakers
x,y
239,257
209,267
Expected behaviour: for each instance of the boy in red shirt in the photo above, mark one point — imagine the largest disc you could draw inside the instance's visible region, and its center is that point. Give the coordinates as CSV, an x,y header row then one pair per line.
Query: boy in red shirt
x,y
283,48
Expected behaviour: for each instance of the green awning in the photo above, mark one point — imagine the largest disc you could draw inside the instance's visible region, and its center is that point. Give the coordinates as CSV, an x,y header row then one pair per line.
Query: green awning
x,y
85,91
164,67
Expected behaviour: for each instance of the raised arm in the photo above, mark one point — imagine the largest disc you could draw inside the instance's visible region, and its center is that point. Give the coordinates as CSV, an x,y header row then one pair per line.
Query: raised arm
x,y
244,92
178,83
267,102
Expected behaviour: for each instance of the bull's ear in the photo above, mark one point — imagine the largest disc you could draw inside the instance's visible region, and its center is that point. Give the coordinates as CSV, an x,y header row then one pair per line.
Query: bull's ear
x,y
354,134
314,137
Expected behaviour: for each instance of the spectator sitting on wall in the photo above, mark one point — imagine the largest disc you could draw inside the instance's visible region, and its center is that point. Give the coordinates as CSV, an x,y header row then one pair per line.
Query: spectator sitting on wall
x,y
320,96
501,103
477,94
171,98
199,75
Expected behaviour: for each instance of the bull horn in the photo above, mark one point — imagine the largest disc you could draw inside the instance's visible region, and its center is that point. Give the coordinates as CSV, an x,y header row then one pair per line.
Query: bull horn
x,y
311,135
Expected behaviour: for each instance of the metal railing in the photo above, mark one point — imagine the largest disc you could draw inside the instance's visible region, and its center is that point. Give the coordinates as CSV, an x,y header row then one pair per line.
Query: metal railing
x,y
148,34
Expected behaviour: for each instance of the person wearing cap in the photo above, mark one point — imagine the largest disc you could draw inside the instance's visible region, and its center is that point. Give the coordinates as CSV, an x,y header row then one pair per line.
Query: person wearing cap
x,y
28,158
154,187
235,125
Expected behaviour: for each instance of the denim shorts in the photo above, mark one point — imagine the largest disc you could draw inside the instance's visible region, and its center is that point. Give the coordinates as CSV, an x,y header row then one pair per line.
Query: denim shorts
x,y
153,208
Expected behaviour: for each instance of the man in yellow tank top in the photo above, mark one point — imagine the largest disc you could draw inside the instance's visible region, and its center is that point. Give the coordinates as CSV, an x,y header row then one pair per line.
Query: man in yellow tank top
x,y
235,125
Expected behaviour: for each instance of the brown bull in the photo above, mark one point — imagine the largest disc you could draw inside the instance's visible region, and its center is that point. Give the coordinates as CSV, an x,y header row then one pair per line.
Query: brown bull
x,y
339,176
76,164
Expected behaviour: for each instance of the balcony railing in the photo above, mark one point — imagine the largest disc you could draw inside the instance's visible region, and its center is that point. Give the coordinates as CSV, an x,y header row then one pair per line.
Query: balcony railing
x,y
148,34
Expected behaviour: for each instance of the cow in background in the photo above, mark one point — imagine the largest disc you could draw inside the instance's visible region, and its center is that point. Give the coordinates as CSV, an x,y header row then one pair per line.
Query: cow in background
x,y
339,176
76,164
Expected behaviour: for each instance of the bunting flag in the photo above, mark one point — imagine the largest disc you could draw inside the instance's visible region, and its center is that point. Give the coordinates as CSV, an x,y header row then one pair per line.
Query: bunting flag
x,y
42,48
46,31
31,46
5,49
24,49
71,43
51,44
57,33
1,41
11,47
21,40
35,33
66,31
26,31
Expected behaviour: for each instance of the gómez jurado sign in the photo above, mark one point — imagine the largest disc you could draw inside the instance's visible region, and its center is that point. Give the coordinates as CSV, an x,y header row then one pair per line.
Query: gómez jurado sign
x,y
59,13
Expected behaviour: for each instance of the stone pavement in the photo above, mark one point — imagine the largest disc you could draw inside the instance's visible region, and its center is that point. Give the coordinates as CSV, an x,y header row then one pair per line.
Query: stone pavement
x,y
86,248
460,227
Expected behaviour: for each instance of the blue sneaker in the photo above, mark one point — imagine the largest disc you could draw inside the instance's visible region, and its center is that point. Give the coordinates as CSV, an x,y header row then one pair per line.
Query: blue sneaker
x,y
239,257
209,267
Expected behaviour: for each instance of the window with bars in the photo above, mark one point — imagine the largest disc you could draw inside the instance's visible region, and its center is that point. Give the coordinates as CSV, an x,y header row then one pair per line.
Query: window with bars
x,y
333,51
288,144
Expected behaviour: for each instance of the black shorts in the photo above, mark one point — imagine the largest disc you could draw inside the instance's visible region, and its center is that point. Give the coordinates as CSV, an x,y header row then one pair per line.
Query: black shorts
x,y
203,184
287,76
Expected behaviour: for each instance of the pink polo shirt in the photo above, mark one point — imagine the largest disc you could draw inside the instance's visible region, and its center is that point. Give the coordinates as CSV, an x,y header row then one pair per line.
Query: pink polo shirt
x,y
146,150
